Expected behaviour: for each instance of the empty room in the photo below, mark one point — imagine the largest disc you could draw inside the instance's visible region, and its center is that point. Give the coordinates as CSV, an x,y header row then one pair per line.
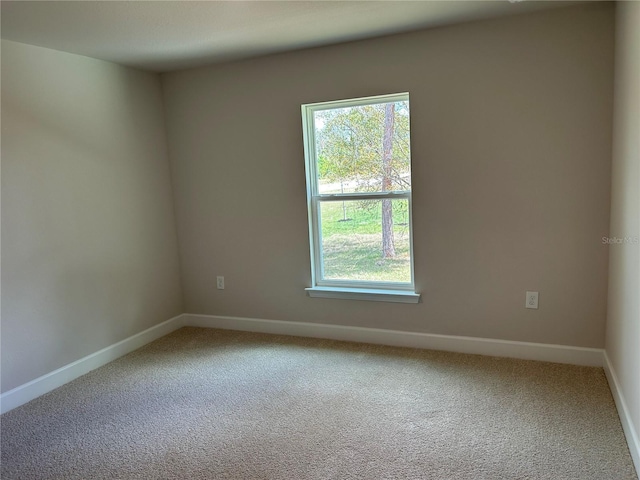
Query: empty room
x,y
320,240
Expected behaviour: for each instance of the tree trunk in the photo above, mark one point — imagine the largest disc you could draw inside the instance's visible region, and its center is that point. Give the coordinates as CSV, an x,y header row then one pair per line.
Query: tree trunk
x,y
388,247
344,209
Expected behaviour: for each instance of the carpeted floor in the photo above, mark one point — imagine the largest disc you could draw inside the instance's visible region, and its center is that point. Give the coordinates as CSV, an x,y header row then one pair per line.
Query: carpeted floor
x,y
213,404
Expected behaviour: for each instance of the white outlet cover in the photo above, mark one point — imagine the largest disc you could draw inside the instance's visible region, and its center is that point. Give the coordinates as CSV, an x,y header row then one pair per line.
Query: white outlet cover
x,y
531,300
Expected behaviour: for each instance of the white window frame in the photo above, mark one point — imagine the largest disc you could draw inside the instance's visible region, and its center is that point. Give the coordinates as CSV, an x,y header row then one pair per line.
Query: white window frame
x,y
349,289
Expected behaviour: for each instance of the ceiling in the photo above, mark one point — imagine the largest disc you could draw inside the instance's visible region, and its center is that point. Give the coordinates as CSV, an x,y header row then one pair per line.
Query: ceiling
x,y
171,35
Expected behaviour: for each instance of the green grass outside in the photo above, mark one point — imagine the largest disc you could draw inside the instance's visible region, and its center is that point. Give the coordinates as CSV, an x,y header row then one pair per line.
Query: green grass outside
x,y
352,249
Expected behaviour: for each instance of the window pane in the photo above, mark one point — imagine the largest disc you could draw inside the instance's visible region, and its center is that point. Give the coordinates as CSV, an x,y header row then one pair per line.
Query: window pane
x,y
354,246
363,148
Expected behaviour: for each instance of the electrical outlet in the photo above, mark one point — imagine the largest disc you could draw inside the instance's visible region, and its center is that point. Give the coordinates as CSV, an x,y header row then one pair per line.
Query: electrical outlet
x,y
531,300
220,283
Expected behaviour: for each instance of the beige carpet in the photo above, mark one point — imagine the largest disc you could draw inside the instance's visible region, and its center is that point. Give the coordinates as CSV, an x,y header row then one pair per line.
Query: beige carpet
x,y
213,404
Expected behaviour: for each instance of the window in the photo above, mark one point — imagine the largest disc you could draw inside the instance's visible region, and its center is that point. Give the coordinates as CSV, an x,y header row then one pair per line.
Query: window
x,y
358,164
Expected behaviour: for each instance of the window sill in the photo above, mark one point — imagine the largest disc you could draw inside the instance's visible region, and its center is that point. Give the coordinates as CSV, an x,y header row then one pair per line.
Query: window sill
x,y
397,296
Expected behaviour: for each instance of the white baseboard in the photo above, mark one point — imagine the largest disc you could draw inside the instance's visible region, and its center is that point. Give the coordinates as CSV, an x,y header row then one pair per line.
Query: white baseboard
x,y
44,384
480,346
633,440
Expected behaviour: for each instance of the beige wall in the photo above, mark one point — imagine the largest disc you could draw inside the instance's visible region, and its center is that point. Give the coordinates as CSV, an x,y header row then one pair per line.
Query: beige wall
x,y
89,251
623,322
511,137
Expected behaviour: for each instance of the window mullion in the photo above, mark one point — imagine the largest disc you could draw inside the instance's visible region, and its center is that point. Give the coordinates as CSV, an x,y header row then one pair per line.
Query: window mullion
x,y
342,197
